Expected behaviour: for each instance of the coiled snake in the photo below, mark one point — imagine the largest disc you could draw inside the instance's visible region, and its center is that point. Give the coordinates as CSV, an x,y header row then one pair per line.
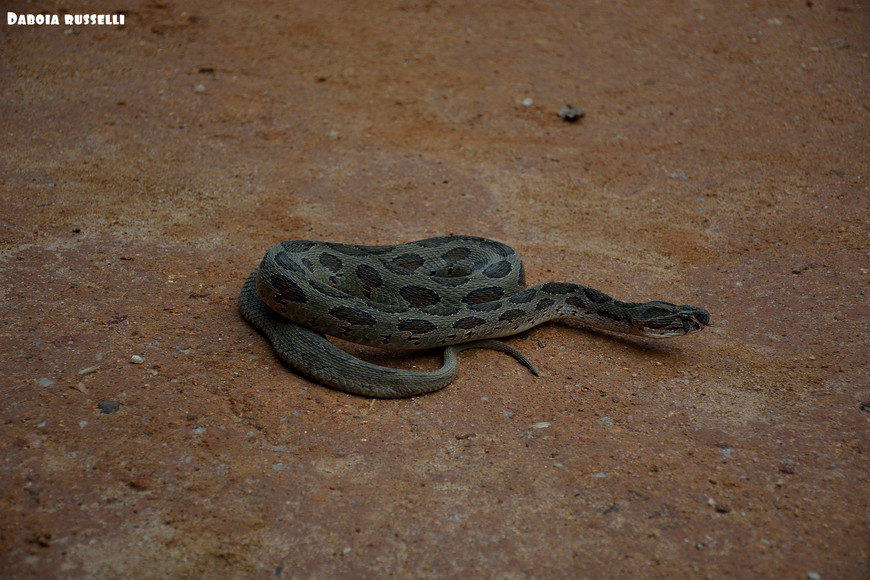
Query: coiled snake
x,y
457,292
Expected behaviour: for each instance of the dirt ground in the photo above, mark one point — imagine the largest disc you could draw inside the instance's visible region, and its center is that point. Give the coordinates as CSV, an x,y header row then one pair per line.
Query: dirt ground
x,y
723,161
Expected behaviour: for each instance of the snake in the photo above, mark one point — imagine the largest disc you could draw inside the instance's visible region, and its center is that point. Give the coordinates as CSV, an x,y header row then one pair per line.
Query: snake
x,y
450,292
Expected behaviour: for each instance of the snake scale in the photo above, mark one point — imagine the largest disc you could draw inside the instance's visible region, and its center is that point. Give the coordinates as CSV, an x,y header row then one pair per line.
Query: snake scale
x,y
457,292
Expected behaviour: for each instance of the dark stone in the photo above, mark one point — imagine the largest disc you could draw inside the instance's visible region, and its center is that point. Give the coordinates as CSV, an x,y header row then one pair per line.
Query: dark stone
x,y
109,407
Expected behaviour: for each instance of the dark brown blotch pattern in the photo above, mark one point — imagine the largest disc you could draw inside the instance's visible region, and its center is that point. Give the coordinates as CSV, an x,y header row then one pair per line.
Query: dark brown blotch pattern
x,y
468,322
442,309
607,313
575,302
483,295
330,262
298,246
455,255
416,326
286,290
352,316
512,315
326,289
419,297
595,296
558,288
498,270
285,261
523,297
369,278
448,282
406,263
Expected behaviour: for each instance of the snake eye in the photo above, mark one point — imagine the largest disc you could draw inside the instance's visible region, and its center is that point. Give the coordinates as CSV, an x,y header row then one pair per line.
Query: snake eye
x,y
687,322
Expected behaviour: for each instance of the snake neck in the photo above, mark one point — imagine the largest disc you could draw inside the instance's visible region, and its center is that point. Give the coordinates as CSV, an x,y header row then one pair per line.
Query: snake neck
x,y
653,319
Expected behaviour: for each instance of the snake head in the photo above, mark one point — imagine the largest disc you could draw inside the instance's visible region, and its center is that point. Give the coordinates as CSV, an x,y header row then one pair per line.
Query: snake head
x,y
672,320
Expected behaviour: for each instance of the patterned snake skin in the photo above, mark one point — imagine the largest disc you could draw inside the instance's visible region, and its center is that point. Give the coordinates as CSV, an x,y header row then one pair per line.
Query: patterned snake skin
x,y
457,291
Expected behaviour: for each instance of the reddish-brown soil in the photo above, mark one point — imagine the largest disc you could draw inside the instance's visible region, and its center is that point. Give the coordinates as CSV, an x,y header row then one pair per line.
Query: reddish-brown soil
x,y
723,161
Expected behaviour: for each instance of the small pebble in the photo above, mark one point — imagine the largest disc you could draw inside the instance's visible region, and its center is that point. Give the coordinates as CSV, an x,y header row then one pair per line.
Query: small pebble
x,y
136,359
109,407
570,113
89,370
527,102
199,88
541,425
44,382
80,387
814,576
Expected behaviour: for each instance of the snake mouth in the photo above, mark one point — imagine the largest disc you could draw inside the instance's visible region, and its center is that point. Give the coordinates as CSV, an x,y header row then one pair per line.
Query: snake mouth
x,y
687,319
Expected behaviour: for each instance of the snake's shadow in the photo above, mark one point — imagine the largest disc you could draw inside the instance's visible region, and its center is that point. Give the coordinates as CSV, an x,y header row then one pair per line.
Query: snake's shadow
x,y
658,348
430,359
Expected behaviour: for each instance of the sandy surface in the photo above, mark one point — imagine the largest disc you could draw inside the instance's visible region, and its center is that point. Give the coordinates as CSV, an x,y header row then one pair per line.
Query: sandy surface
x,y
723,161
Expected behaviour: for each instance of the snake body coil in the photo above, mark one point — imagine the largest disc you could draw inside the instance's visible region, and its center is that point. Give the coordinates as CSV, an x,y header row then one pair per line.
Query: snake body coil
x,y
457,292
